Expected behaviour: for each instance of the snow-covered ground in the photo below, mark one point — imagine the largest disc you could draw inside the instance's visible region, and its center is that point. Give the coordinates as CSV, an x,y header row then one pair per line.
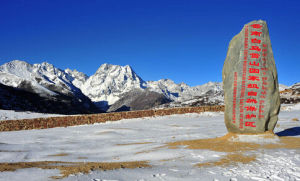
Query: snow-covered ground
x,y
145,139
12,115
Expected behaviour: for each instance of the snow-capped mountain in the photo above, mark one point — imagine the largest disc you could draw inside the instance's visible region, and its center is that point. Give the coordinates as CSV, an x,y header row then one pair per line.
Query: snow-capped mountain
x,y
109,84
138,99
169,88
78,78
181,92
44,78
46,81
104,88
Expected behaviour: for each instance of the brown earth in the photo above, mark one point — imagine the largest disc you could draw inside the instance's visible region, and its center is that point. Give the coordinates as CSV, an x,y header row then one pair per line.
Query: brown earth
x,y
68,168
235,149
60,154
229,159
64,121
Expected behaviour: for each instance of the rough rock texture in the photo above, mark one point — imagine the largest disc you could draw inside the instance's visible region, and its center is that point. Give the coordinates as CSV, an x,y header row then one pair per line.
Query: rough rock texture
x,y
250,82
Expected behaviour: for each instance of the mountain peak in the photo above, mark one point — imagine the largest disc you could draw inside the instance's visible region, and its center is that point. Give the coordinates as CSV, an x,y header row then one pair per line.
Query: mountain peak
x,y
46,64
16,67
106,67
15,63
110,81
18,62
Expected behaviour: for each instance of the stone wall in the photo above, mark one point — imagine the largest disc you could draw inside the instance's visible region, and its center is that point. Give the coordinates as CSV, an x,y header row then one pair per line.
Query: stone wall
x,y
44,123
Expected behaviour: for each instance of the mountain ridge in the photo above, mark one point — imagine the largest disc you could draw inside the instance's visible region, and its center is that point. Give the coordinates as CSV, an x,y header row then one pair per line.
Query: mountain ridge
x,y
107,85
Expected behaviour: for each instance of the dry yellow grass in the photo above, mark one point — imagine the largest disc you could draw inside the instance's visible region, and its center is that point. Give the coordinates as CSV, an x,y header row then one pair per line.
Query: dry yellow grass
x,y
60,154
230,159
68,168
286,91
235,149
82,157
224,144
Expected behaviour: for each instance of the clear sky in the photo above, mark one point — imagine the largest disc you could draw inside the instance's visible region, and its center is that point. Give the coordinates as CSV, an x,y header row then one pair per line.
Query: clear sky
x,y
183,40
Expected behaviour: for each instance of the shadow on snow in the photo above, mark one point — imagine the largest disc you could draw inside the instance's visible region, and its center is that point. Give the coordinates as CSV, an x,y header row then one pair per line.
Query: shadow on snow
x,y
295,131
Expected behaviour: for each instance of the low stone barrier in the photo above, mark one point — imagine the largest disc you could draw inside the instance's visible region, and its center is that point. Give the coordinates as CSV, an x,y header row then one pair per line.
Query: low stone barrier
x,y
64,121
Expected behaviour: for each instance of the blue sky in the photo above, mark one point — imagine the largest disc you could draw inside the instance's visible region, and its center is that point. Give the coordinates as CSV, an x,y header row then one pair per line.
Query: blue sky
x,y
183,40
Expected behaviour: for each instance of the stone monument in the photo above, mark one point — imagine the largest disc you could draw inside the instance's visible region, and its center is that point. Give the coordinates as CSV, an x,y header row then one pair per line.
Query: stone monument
x,y
250,81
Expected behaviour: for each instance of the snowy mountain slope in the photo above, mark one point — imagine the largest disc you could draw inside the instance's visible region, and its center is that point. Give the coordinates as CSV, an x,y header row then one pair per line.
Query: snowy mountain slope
x,y
22,100
18,74
109,82
78,78
108,85
181,94
169,88
105,87
138,99
44,80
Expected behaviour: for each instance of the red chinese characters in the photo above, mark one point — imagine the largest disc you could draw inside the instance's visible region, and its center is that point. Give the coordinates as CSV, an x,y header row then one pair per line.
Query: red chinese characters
x,y
249,116
254,78
253,63
234,97
250,124
258,26
250,108
253,70
255,40
255,55
255,33
264,89
243,87
251,101
252,93
252,86
255,48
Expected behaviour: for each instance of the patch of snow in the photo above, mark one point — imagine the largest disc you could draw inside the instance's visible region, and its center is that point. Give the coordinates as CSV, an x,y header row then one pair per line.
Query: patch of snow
x,y
14,115
290,107
145,139
261,139
282,87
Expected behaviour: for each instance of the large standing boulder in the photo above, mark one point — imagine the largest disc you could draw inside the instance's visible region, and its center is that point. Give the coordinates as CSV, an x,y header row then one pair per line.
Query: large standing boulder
x,y
250,81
